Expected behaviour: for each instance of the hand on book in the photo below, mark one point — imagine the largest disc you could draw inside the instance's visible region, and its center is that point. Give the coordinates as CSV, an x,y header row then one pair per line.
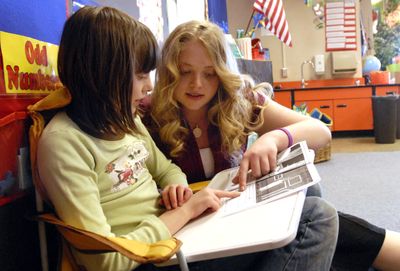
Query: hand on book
x,y
207,200
175,195
259,159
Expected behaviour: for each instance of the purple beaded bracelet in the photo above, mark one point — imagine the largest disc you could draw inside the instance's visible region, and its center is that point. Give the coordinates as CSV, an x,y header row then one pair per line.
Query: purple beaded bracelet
x,y
289,136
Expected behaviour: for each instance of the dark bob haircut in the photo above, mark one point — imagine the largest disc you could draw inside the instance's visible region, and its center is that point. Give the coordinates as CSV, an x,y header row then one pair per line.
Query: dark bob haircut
x,y
101,49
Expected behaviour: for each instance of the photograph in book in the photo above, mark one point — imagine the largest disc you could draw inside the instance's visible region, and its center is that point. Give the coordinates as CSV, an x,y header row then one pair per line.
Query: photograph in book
x,y
295,171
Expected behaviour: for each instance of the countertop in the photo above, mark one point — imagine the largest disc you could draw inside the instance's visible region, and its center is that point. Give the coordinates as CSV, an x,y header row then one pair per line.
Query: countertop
x,y
278,89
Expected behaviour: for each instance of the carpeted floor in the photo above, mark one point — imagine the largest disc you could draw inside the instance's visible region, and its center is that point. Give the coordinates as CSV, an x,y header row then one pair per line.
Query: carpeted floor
x,y
361,144
366,184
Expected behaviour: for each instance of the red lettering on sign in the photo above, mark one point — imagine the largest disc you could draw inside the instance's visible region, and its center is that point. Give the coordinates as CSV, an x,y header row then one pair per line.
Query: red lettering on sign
x,y
24,81
12,76
35,54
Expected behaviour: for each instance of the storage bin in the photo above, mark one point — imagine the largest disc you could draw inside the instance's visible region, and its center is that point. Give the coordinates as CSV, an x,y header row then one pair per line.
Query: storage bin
x,y
13,136
323,154
14,123
379,77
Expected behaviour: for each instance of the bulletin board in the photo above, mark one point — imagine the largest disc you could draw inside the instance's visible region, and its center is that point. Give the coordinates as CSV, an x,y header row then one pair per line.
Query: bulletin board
x,y
39,19
152,13
340,25
29,31
217,13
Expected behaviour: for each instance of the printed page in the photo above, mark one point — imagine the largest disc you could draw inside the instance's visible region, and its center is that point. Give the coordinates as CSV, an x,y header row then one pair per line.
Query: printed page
x,y
295,156
295,172
272,187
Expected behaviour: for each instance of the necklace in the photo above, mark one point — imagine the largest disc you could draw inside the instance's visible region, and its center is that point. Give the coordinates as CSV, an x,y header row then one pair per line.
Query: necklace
x,y
197,131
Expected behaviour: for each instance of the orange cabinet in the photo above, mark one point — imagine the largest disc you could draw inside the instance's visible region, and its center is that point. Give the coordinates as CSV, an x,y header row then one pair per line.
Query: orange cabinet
x,y
284,98
349,108
386,90
353,114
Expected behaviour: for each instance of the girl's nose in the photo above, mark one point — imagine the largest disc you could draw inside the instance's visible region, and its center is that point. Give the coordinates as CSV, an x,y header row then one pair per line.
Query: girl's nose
x,y
148,87
196,81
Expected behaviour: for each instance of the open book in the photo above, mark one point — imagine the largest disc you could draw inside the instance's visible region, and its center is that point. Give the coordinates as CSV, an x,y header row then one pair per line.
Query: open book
x,y
271,225
295,171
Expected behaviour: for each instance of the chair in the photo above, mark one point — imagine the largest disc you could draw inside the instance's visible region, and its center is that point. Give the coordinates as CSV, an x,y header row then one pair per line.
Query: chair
x,y
196,187
82,240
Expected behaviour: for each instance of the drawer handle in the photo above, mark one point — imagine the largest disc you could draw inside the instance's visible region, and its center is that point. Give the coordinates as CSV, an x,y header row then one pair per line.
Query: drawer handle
x,y
341,105
324,106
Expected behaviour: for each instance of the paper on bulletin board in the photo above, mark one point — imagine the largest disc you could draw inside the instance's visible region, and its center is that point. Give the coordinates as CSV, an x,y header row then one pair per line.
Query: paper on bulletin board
x,y
150,14
340,25
29,65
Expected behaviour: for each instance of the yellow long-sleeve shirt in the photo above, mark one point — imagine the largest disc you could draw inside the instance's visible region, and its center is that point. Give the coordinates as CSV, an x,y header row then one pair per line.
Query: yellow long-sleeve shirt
x,y
108,187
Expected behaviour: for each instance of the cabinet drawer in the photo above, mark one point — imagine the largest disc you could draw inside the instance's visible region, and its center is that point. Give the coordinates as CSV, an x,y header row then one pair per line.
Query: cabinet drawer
x,y
386,90
327,94
353,114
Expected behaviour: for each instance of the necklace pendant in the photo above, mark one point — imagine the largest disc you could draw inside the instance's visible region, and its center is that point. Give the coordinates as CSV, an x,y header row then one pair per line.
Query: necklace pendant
x,y
197,132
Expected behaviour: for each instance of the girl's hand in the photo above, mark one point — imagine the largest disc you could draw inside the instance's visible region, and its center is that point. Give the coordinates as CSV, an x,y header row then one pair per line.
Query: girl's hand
x,y
207,200
260,158
175,195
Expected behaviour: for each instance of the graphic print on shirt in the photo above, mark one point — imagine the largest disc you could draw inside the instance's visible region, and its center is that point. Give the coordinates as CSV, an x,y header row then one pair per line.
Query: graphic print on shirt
x,y
126,170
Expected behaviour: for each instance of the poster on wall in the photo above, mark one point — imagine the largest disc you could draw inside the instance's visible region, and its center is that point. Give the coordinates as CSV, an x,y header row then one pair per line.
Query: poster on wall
x,y
29,65
150,14
217,13
179,11
340,25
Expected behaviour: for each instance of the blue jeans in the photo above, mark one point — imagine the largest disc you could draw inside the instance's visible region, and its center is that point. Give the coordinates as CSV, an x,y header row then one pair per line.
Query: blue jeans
x,y
312,249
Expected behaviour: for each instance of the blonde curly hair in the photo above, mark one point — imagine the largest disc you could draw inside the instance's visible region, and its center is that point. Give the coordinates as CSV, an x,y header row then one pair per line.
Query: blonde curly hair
x,y
231,109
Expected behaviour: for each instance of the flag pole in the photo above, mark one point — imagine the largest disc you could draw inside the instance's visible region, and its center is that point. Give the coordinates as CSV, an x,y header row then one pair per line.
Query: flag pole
x,y
248,24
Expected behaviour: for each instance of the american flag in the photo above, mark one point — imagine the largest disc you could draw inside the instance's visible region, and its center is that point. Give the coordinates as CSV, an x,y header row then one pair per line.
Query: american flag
x,y
276,21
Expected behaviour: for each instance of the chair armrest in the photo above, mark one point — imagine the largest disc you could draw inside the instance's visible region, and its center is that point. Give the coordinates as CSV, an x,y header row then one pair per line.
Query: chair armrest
x,y
90,242
198,186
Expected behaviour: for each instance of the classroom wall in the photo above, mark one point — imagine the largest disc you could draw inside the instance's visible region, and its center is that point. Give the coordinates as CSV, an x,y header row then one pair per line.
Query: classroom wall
x,y
307,40
44,19
128,6
39,19
366,18
32,18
